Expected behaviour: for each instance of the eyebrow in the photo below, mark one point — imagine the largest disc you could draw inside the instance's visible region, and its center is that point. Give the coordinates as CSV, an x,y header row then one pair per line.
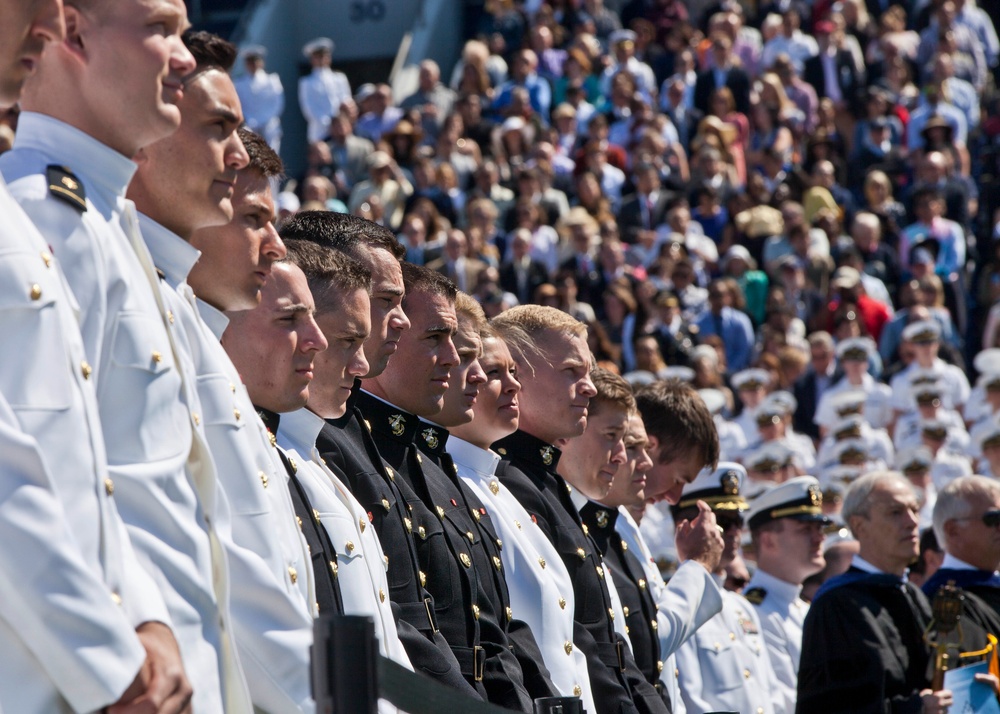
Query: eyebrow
x,y
449,330
296,308
390,291
228,114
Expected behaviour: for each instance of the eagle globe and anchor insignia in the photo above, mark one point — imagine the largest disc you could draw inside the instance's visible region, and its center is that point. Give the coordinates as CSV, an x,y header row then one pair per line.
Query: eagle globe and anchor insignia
x,y
398,424
431,437
546,452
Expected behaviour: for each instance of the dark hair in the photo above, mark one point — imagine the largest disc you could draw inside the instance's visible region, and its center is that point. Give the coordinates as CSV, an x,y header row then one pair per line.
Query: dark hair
x,y
210,51
263,159
344,232
418,279
676,415
329,272
612,390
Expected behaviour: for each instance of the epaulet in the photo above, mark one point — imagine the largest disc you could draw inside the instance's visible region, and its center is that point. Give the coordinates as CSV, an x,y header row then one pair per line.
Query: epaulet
x,y
64,185
755,595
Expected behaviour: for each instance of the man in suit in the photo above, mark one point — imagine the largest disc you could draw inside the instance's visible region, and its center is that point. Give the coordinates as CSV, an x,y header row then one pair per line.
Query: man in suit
x,y
456,264
728,323
808,389
350,152
582,265
725,73
646,209
522,274
835,71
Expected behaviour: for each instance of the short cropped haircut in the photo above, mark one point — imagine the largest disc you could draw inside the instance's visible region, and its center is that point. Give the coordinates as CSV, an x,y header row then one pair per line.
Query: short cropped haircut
x,y
956,500
522,326
340,231
677,417
612,391
857,500
468,306
210,51
329,273
418,279
263,159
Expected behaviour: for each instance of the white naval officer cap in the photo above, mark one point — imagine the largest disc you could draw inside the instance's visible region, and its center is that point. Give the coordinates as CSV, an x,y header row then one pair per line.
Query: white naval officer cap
x,y
678,372
922,332
753,378
858,349
850,401
319,44
621,36
848,427
986,434
770,456
853,452
720,488
987,360
254,51
989,380
914,460
714,399
800,499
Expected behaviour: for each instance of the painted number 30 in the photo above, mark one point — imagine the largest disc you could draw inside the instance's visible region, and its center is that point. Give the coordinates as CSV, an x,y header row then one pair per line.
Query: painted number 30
x,y
362,10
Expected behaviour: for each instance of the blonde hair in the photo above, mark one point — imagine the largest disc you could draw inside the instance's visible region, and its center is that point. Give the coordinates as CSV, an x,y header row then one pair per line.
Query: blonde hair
x,y
468,306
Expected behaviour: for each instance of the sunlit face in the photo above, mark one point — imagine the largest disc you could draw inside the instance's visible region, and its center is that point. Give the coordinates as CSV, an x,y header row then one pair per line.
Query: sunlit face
x,y
274,346
467,377
889,535
666,479
557,387
28,25
629,487
187,180
496,411
420,373
797,548
236,258
387,316
590,461
346,329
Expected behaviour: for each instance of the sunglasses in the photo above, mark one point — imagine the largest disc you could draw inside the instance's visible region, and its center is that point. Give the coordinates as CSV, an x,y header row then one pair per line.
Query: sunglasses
x,y
727,522
991,519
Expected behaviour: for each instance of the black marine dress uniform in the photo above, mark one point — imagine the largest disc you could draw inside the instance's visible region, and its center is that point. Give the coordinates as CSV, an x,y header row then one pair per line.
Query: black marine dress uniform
x,y
446,541
528,469
347,444
637,599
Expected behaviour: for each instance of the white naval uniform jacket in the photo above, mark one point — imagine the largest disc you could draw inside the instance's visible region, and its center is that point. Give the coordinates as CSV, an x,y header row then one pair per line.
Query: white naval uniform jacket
x,y
263,100
71,587
781,612
541,592
361,564
163,476
688,601
270,572
321,93
725,666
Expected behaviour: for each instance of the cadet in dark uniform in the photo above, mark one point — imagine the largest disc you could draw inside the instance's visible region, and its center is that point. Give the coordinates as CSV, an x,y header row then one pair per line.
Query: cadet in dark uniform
x,y
863,644
590,463
459,567
557,391
346,441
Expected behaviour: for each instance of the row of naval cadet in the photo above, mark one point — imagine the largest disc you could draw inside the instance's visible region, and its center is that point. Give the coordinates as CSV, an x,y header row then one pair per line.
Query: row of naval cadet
x,y
176,517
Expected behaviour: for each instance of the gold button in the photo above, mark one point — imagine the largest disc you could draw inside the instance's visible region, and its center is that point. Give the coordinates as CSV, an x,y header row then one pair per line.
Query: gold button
x,y
109,487
624,546
295,466
642,584
47,258
422,532
362,524
732,636
611,613
36,292
470,536
368,424
760,710
659,666
423,579
746,674
236,413
299,521
232,388
475,514
475,611
157,357
628,630
582,553
316,515
502,451
499,544
116,598
600,572
409,525
170,316
439,511
273,439
518,524
625,611
263,478
86,370
577,692
293,574
586,531
494,487
466,560
388,471
381,595
510,614
541,561
386,559
562,603
350,546
420,459
654,625
717,646
197,422
385,504
334,568
497,563
568,646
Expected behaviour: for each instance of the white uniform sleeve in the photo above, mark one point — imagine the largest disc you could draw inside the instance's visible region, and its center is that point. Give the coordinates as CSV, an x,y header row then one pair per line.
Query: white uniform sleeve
x,y
690,599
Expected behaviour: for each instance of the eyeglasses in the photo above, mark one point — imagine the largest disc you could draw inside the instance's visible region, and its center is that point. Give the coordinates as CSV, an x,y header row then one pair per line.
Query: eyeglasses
x,y
990,519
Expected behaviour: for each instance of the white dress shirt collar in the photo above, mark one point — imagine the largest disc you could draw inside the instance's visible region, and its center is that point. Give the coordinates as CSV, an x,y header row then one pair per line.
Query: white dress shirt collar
x,y
171,253
213,317
472,460
300,429
785,591
953,563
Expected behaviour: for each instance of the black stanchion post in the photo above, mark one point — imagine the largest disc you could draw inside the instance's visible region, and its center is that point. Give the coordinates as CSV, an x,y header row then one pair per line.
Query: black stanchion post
x,y
344,665
559,705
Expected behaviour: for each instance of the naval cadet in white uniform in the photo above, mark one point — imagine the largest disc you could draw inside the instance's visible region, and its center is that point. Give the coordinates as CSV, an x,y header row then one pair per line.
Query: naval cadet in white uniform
x,y
261,95
323,91
271,606
725,665
80,116
786,524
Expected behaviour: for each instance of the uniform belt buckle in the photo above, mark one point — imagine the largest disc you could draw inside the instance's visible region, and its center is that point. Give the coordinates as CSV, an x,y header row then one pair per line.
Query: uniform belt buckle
x,y
430,615
620,647
478,662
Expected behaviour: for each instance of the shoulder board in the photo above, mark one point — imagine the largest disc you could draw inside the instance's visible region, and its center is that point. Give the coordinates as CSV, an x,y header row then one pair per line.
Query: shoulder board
x,y
755,595
64,185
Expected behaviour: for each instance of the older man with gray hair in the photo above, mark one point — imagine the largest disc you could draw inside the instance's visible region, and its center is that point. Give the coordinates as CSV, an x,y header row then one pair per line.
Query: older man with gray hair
x,y
862,646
